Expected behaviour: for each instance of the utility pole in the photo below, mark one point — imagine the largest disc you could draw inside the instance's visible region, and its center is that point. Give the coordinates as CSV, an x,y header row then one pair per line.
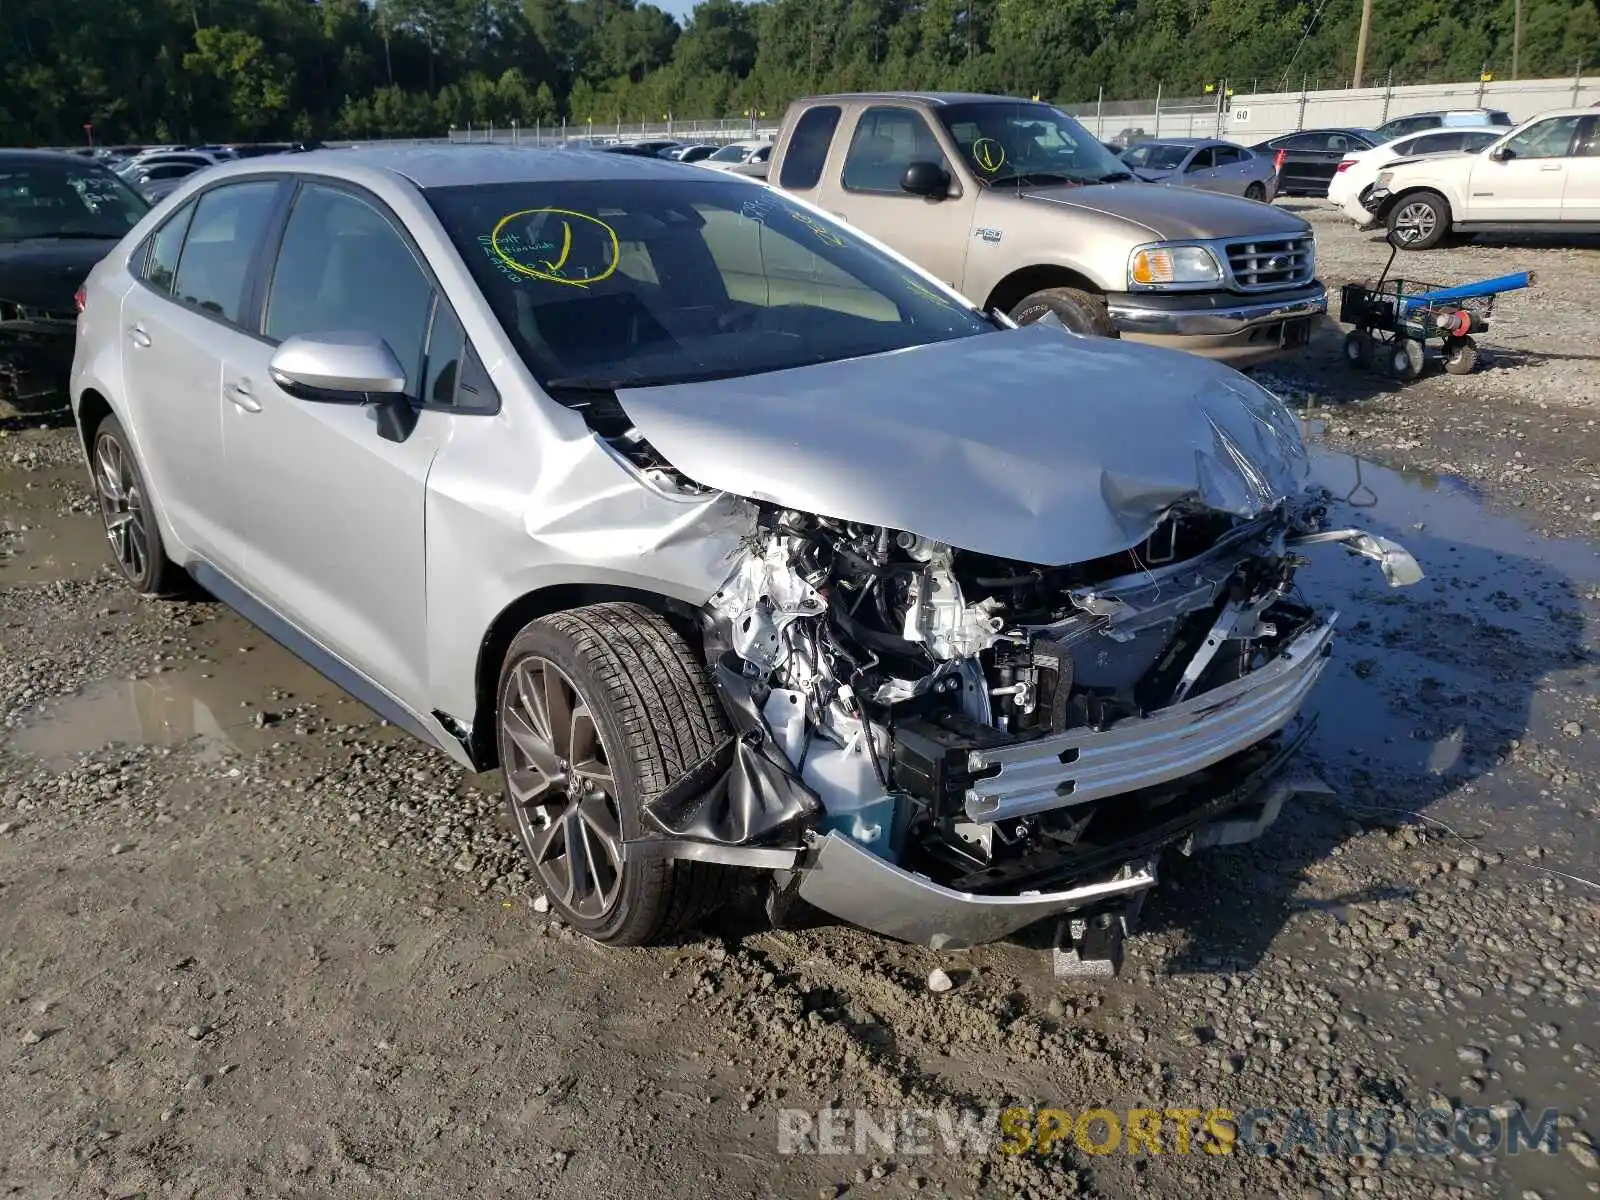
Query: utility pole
x,y
1516,38
1361,39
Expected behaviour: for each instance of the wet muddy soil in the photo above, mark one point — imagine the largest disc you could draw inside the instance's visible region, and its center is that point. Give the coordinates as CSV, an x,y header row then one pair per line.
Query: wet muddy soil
x,y
254,941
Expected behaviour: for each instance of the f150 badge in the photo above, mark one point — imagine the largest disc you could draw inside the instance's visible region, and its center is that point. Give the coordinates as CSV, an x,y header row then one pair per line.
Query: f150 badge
x,y
992,236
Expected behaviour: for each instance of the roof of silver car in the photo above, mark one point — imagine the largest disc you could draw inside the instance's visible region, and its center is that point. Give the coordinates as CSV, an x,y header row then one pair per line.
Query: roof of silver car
x,y
447,166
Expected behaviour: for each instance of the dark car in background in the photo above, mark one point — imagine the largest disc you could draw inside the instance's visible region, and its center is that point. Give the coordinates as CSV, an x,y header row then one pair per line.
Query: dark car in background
x,y
59,215
1311,157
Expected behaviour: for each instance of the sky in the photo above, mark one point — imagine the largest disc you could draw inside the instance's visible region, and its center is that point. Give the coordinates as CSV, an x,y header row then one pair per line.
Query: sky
x,y
678,8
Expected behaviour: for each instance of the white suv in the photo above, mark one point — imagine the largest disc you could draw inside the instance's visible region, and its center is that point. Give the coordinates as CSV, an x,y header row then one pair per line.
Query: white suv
x,y
1353,177
1543,175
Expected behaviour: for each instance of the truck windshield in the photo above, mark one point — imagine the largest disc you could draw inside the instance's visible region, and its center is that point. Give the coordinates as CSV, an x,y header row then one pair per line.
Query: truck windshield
x,y
1018,143
634,282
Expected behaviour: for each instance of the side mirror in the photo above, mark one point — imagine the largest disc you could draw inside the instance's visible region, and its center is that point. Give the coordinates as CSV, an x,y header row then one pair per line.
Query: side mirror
x,y
352,367
927,179
338,368
1502,153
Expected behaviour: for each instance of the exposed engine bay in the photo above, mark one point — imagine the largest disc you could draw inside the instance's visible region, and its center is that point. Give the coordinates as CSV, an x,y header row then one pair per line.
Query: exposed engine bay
x,y
998,727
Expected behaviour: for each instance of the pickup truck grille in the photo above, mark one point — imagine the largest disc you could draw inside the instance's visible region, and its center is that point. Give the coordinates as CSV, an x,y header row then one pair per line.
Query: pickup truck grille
x,y
1258,264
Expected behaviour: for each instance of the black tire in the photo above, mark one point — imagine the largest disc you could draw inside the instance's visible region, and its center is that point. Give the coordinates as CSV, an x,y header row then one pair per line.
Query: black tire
x,y
130,524
1460,355
1358,349
1420,221
1256,192
1405,358
1078,310
655,714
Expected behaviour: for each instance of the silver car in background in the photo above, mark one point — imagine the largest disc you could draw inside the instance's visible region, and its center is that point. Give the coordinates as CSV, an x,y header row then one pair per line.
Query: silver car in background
x,y
1205,163
732,539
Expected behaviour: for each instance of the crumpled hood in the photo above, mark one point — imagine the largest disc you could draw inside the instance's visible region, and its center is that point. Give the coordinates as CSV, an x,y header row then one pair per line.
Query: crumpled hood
x,y
1031,444
45,272
1181,214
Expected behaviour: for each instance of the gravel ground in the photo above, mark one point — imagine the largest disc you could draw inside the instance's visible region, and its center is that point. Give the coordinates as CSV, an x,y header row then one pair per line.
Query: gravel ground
x,y
253,941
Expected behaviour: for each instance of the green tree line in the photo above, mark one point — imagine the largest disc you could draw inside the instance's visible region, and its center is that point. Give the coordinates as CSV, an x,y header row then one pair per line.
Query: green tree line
x,y
269,69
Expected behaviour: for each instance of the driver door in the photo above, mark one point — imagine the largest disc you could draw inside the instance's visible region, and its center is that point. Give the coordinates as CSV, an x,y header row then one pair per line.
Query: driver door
x,y
1200,171
335,511
1528,184
933,233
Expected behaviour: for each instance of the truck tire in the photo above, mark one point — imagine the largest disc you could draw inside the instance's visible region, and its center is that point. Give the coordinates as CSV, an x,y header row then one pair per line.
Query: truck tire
x,y
130,522
599,709
1078,310
1420,221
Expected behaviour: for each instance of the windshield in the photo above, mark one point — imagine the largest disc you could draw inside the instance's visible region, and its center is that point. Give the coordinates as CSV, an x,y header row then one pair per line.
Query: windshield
x,y
1156,156
63,199
1021,143
730,154
636,282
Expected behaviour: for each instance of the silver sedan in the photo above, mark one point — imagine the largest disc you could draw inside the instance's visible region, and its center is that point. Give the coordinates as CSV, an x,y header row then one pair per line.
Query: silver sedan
x,y
732,539
1205,163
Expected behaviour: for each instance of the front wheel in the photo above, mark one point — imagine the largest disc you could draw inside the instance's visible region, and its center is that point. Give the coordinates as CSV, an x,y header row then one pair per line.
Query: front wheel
x,y
1420,221
1405,358
1358,348
1460,355
598,710
1078,310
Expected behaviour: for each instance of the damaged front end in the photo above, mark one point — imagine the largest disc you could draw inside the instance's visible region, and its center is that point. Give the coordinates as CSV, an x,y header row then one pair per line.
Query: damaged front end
x,y
953,745
35,357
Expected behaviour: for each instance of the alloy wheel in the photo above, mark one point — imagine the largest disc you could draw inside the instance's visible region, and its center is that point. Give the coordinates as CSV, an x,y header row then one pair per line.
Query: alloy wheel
x,y
1415,222
122,506
563,791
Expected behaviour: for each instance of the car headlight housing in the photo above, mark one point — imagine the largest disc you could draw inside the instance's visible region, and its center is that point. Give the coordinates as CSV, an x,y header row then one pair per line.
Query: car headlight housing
x,y
1382,181
1161,265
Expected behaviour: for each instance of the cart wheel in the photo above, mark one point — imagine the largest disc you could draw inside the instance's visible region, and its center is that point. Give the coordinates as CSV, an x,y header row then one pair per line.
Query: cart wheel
x,y
1405,358
1460,355
1358,348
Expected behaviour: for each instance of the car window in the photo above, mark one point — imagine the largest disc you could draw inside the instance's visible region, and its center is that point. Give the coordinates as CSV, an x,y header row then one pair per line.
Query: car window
x,y
1550,138
730,154
1405,125
161,262
50,197
761,155
645,282
1401,149
344,267
1305,142
1588,145
1477,139
1156,156
808,147
1500,118
1437,143
223,234
1228,155
1203,160
451,375
886,142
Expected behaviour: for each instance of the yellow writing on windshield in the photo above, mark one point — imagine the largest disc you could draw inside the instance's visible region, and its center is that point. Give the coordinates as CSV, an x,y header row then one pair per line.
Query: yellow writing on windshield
x,y
989,154
538,252
818,228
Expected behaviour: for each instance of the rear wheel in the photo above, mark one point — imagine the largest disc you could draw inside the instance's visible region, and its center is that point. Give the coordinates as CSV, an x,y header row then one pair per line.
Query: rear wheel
x,y
1358,348
1255,192
1078,310
130,524
599,708
1420,221
1405,358
1460,355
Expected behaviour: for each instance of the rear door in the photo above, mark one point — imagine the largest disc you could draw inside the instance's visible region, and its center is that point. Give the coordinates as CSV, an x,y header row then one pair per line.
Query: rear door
x,y
180,323
1528,184
336,511
1580,200
884,139
1200,170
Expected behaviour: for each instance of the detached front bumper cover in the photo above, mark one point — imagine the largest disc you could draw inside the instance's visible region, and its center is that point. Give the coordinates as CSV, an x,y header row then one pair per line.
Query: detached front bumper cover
x,y
1181,315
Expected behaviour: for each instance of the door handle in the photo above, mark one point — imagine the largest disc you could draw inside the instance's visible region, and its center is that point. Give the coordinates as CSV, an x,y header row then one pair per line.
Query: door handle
x,y
138,336
1550,166
240,394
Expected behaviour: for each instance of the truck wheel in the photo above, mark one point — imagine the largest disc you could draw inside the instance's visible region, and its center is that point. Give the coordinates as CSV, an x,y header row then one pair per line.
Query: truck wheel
x,y
1078,310
130,523
1405,358
598,709
1420,221
1460,355
1358,348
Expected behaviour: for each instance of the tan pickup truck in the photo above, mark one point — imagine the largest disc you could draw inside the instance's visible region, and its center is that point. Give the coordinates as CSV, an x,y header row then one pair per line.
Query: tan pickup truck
x,y
1014,204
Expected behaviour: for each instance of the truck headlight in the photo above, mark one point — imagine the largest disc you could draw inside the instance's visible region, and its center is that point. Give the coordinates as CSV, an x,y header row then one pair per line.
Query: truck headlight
x,y
1159,265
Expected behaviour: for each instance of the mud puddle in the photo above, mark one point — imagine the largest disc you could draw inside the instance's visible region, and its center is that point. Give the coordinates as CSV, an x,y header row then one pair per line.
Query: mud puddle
x,y
50,529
